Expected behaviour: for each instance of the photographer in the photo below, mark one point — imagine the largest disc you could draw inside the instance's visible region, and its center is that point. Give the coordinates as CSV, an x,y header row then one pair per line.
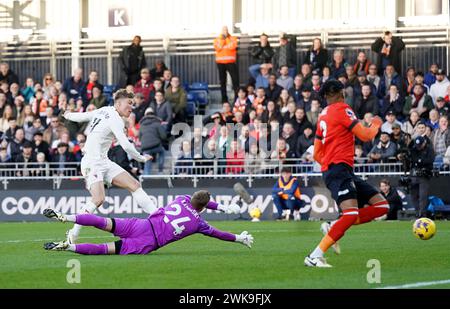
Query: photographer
x,y
421,159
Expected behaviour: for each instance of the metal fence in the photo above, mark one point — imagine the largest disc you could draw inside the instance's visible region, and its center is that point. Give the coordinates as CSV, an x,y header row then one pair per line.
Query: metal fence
x,y
193,58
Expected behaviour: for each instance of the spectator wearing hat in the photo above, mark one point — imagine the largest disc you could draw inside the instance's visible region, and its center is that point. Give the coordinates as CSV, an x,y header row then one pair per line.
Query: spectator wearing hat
x,y
152,136
306,99
286,54
439,88
26,158
158,70
338,64
419,101
390,121
400,138
163,110
62,156
389,49
305,140
366,102
384,150
362,80
273,91
443,106
284,80
132,61
393,102
430,76
316,56
144,84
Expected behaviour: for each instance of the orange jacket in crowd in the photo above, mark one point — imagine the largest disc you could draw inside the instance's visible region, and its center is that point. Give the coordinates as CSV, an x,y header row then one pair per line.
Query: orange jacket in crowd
x,y
225,49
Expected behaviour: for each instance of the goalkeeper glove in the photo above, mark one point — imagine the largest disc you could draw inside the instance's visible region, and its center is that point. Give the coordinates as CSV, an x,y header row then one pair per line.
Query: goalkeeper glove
x,y
230,209
245,238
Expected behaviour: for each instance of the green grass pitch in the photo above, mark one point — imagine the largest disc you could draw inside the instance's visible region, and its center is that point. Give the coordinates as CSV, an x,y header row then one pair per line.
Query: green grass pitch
x,y
275,261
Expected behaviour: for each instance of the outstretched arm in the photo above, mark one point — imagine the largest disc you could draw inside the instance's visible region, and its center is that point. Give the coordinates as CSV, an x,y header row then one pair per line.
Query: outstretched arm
x,y
208,230
230,209
117,128
367,134
79,117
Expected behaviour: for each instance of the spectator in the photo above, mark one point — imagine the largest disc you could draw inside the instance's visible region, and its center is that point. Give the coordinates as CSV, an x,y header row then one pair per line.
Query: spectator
x,y
315,85
290,136
286,195
158,71
8,113
326,74
7,75
163,110
300,122
366,102
296,91
16,145
338,64
410,125
393,102
98,99
167,76
27,157
244,139
390,77
226,55
260,74
442,106
420,81
393,198
178,98
272,112
153,137
184,164
419,102
289,114
251,92
78,147
304,141
430,77
133,130
384,150
39,104
362,63
235,159
284,100
131,61
209,154
4,87
254,160
390,121
140,106
439,88
433,122
440,137
446,158
4,158
64,138
41,146
389,50
313,114
316,56
223,142
306,99
285,81
260,98
197,143
352,78
47,83
62,156
28,89
348,89
242,103
362,80
144,85
307,74
286,54
273,91
373,77
30,130
18,108
400,138
54,131
3,102
421,130
261,53
87,93
74,85
9,134
409,81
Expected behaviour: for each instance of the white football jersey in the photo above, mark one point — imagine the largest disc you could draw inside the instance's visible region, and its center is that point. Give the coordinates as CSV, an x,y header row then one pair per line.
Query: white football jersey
x,y
105,124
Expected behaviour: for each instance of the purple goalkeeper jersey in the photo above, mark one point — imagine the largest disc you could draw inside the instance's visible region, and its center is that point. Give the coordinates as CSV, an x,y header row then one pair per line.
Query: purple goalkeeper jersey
x,y
179,219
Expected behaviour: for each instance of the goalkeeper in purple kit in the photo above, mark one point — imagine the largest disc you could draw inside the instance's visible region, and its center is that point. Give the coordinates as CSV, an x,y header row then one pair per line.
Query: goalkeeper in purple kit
x,y
177,220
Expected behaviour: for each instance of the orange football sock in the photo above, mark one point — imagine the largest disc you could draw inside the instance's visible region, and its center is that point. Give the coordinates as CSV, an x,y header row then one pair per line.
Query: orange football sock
x,y
371,212
336,232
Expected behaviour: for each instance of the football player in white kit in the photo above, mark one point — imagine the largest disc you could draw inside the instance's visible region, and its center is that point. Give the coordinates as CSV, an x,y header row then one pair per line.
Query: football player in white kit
x,y
107,124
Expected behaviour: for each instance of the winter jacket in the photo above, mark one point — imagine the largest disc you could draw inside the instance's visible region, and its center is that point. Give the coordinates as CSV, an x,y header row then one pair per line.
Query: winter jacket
x,y
151,133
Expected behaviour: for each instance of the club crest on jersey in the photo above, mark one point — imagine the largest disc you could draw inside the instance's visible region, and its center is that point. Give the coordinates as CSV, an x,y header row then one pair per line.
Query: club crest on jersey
x,y
350,113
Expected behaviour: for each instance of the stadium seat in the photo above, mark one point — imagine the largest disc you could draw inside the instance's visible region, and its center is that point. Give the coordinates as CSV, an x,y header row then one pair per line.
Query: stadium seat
x,y
199,86
190,109
200,97
108,91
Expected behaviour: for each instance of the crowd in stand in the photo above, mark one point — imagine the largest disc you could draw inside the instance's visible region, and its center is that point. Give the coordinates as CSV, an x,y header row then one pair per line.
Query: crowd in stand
x,y
281,99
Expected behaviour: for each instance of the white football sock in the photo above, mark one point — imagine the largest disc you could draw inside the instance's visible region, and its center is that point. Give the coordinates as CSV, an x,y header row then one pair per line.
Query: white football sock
x,y
144,201
87,209
71,218
316,253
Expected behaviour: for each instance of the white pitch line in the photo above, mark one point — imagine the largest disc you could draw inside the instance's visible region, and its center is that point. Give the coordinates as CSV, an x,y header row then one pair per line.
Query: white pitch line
x,y
46,239
416,285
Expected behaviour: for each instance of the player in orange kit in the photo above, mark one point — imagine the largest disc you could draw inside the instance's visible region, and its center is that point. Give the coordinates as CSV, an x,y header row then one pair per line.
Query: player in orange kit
x,y
334,147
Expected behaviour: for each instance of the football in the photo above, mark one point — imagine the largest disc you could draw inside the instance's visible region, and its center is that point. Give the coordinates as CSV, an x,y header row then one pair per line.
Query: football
x,y
255,213
424,228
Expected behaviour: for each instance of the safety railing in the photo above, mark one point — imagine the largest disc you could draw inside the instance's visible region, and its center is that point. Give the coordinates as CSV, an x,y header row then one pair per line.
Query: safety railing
x,y
193,57
36,169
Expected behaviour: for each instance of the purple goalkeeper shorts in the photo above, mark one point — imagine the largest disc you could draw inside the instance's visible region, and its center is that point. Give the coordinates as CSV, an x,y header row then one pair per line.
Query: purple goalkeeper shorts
x,y
136,235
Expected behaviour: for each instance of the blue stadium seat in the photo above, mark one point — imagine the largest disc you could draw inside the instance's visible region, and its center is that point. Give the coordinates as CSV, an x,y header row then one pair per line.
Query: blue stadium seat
x,y
200,96
190,109
108,91
199,86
